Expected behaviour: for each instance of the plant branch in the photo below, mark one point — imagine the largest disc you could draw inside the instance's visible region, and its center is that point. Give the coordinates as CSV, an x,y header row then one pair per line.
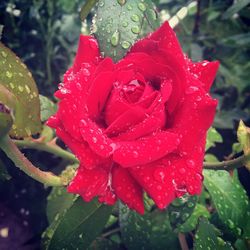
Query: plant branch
x,y
86,8
47,147
183,242
228,165
11,150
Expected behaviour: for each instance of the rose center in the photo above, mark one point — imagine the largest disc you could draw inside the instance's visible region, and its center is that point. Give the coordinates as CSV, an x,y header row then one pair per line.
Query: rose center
x,y
133,90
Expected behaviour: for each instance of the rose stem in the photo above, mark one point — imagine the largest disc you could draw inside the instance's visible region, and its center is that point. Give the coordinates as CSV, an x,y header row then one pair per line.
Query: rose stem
x,y
47,147
227,165
11,150
183,242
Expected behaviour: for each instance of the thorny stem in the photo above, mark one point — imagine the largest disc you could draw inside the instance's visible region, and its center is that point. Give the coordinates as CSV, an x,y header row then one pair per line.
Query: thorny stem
x,y
47,147
11,150
227,165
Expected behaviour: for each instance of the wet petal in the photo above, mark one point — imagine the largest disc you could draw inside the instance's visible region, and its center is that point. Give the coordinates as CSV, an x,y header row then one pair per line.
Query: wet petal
x,y
146,149
126,189
205,71
88,51
89,183
86,156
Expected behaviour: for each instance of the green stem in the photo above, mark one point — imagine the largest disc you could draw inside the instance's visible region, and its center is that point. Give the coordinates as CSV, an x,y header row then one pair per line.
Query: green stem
x,y
87,8
11,150
228,165
53,149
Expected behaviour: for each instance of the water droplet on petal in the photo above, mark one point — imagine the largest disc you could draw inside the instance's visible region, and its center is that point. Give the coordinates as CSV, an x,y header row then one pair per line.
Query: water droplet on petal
x,y
159,175
190,163
191,90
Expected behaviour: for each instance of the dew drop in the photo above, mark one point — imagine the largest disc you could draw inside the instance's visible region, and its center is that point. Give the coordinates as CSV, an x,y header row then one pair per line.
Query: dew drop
x,y
191,90
129,7
9,74
135,18
135,154
230,224
124,24
141,6
20,88
135,29
159,175
12,85
190,163
4,54
115,38
125,44
27,88
121,2
152,14
101,4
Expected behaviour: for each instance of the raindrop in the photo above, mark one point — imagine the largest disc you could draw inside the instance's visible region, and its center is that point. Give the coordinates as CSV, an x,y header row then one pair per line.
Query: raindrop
x,y
129,7
12,85
101,4
191,90
27,88
190,163
141,6
94,139
135,18
4,54
124,24
135,29
182,170
20,88
121,2
159,175
9,74
152,14
230,224
135,154
115,38
125,44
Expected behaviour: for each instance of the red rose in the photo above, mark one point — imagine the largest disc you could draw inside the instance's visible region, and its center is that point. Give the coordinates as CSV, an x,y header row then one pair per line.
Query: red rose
x,y
139,124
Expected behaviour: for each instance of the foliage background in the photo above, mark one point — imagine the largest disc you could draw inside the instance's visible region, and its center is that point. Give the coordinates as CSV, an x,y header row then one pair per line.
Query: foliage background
x,y
44,35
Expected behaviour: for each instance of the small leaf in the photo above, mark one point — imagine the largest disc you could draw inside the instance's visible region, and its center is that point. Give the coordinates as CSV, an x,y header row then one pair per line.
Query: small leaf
x,y
47,107
192,221
15,76
77,226
213,137
180,210
229,199
150,231
208,237
120,23
235,8
243,134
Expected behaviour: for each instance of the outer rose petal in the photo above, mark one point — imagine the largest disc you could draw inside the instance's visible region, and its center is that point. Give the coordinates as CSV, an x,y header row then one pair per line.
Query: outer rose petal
x,y
205,71
90,183
145,149
127,189
88,51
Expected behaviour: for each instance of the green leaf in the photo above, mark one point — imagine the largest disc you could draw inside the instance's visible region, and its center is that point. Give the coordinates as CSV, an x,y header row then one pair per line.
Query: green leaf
x,y
120,23
7,109
235,8
208,237
240,245
192,221
58,200
3,172
237,40
15,76
77,226
47,107
150,231
229,199
180,210
213,137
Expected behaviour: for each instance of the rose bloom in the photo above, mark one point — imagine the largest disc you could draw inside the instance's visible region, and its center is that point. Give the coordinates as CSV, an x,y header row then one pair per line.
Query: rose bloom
x,y
138,125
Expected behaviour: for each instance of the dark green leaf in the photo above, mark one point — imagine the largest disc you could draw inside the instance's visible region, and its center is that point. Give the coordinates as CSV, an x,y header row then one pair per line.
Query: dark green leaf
x,y
18,80
77,226
213,137
235,8
58,200
229,198
192,221
48,107
120,23
150,231
3,172
241,245
208,237
181,209
237,40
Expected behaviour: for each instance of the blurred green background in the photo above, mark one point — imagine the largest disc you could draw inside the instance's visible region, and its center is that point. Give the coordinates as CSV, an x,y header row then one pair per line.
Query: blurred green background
x,y
44,35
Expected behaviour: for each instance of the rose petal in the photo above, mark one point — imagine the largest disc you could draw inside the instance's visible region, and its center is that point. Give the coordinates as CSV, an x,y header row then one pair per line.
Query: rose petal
x,y
145,149
88,51
97,140
89,183
99,93
127,189
205,71
82,151
156,180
